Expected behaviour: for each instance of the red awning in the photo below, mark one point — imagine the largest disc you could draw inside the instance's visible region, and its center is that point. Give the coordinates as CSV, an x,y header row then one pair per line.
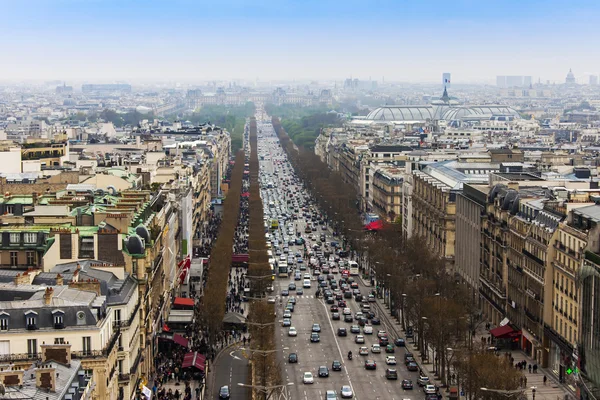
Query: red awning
x,y
166,328
245,194
504,332
375,225
183,302
193,359
180,340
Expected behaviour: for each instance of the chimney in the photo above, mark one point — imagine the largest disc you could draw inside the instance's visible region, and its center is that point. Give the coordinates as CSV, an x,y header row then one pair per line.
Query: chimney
x,y
59,280
45,378
48,296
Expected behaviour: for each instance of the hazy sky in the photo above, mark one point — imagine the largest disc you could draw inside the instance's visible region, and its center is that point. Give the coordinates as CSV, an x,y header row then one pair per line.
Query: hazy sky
x,y
475,40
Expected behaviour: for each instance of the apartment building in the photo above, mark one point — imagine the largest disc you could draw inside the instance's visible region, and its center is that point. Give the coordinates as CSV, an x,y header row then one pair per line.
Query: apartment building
x,y
386,188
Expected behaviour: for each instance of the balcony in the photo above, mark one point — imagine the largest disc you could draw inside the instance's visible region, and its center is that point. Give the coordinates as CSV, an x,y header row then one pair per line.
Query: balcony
x,y
123,378
126,324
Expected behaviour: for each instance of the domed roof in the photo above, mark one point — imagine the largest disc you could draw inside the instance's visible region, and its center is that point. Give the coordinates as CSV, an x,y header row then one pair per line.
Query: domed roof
x,y
401,113
478,112
135,245
142,232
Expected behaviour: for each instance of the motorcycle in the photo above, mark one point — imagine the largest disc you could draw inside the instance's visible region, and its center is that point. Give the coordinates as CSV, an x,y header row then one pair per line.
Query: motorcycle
x,y
349,356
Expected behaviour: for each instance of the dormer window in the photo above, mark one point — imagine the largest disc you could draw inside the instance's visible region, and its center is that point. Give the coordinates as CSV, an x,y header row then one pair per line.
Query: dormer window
x,y
31,319
4,318
59,319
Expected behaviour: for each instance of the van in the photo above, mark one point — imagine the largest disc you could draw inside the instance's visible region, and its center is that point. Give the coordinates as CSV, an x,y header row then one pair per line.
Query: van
x,y
306,284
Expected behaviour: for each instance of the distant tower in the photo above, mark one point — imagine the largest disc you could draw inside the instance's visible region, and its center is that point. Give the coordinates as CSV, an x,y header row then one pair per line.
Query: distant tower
x,y
446,79
570,80
445,98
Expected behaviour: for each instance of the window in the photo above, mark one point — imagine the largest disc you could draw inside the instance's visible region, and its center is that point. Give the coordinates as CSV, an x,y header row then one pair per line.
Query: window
x,y
15,238
87,345
30,237
31,320
10,209
3,324
32,348
14,258
30,258
58,319
117,315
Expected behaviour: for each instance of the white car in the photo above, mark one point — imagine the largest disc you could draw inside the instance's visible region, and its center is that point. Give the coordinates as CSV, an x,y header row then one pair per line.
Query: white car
x,y
346,392
363,351
429,389
347,311
375,348
381,334
390,360
308,378
368,330
292,331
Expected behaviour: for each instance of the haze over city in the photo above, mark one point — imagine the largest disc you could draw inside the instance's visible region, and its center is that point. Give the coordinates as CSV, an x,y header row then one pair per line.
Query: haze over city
x,y
184,40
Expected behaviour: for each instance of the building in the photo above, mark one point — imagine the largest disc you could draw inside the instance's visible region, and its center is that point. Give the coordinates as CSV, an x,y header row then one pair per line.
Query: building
x,y
470,211
570,79
386,189
513,81
106,88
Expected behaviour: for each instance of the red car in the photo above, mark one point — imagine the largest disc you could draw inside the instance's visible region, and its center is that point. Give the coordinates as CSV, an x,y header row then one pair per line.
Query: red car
x,y
334,308
342,303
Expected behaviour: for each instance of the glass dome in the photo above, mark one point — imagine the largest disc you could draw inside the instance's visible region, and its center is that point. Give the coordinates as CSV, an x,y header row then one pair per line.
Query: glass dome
x,y
401,113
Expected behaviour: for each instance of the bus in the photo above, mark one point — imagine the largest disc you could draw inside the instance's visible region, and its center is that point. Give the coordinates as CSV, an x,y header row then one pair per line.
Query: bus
x,y
283,270
353,267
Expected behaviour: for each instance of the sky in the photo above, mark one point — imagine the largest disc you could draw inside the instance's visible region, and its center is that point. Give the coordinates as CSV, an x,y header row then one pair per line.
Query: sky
x,y
395,40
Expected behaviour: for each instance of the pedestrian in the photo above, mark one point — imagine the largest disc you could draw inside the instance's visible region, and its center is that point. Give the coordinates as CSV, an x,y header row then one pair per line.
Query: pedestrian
x,y
545,379
535,368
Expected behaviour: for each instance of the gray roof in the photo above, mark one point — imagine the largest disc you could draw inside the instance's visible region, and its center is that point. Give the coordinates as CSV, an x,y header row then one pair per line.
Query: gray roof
x,y
48,211
591,212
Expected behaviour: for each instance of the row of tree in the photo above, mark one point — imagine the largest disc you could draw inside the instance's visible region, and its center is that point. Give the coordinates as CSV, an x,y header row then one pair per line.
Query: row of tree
x,y
261,317
412,281
212,308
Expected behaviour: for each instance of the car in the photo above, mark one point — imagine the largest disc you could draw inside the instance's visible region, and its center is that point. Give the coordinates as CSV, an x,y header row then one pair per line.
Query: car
x,y
293,358
314,337
286,322
299,291
323,371
390,348
370,364
224,392
316,328
384,341
400,342
271,300
292,286
375,321
292,331
363,351
391,374
423,380
285,292
347,295
371,298
429,389
335,316
408,354
292,300
347,311
290,307
287,314
342,332
308,378
362,321
330,300
412,366
346,392
330,395
407,384
368,330
348,318
375,348
390,360
355,329
336,365
358,315
334,308
359,339
408,360
381,334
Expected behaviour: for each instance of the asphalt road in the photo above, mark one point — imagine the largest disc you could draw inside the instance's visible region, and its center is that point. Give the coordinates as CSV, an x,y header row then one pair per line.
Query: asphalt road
x,y
230,369
366,384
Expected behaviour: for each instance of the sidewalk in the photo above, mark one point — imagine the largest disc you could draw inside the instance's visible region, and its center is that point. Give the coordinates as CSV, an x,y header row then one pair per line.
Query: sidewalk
x,y
553,390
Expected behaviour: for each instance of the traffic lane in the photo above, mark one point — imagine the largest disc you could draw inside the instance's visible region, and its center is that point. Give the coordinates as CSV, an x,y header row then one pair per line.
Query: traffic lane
x,y
313,355
372,379
231,368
